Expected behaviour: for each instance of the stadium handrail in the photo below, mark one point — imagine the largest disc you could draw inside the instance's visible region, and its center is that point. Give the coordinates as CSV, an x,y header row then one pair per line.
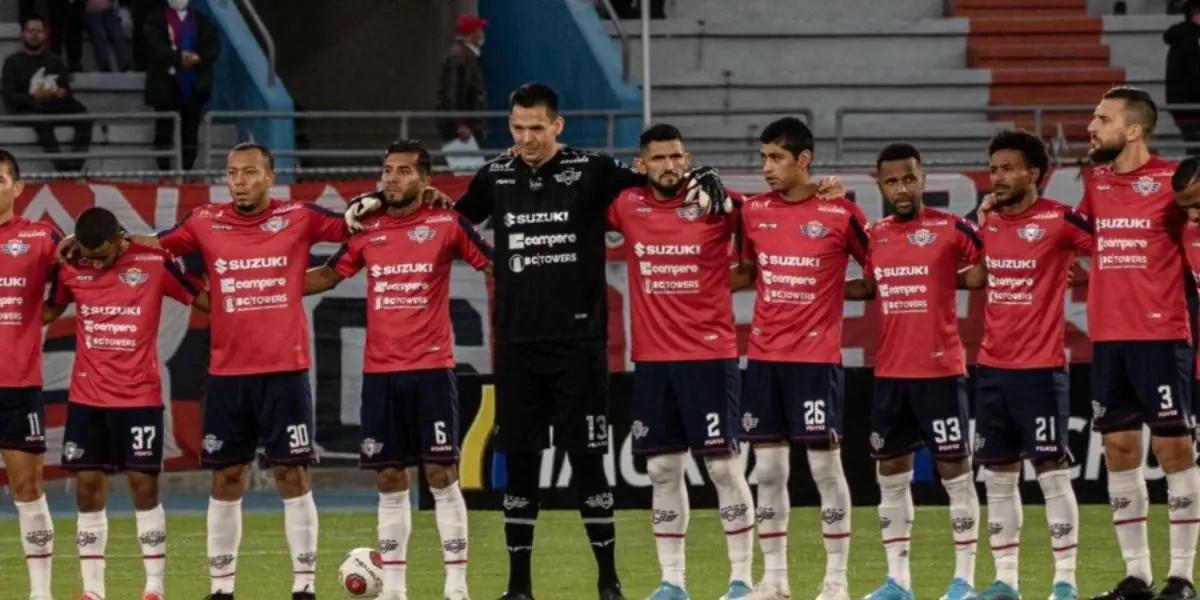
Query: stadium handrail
x,y
175,152
626,52
261,29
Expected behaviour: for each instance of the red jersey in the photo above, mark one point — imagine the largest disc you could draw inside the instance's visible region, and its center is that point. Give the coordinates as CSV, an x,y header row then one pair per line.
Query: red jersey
x,y
116,325
256,266
1191,248
801,250
1028,257
915,266
408,262
681,307
26,266
1135,290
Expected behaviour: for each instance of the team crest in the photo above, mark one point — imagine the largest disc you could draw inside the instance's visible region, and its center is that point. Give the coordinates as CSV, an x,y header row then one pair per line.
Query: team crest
x,y
421,234
1145,186
14,248
569,176
370,447
274,224
72,451
814,230
134,277
749,422
688,213
638,430
1031,233
211,444
921,237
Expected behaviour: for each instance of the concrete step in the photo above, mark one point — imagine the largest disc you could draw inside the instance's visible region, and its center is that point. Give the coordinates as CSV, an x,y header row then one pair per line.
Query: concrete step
x,y
796,10
1136,41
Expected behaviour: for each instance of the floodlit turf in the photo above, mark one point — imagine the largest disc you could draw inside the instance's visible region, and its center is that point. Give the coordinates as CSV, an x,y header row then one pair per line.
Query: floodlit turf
x,y
563,564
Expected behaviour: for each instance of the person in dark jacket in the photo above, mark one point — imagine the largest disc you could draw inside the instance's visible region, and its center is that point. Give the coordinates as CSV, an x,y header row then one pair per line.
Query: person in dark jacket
x,y
181,47
462,81
1183,72
37,82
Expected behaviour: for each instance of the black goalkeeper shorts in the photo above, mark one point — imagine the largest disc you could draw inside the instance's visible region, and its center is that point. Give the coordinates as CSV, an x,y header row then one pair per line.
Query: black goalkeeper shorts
x,y
559,385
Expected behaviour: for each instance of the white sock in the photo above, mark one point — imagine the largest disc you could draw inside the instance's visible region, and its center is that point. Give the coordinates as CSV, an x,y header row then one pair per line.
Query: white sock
x,y
451,512
1183,492
152,535
670,515
92,538
774,506
300,525
224,537
37,540
964,520
1130,505
737,514
1062,518
395,526
1005,518
895,523
830,479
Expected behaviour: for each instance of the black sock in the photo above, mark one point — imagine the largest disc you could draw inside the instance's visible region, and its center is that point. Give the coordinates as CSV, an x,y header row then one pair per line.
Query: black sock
x,y
520,514
596,508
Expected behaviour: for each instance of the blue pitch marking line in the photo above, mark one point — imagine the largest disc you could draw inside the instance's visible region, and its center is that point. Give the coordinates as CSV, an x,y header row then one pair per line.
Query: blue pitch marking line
x,y
328,501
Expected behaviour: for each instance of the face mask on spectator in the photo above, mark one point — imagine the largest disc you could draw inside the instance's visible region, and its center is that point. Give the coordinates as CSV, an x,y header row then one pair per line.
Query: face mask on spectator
x,y
178,4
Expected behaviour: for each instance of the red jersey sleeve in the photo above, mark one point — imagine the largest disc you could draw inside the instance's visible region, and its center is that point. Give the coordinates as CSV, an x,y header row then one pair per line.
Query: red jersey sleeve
x,y
614,213
970,245
858,241
324,225
60,294
179,286
1078,233
471,246
747,245
180,240
1085,203
347,261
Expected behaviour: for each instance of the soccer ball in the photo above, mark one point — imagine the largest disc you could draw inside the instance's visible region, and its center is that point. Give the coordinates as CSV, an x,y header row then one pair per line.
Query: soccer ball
x,y
361,573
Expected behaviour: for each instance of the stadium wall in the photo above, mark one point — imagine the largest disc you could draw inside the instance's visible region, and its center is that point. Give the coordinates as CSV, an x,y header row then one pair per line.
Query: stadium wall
x,y
539,40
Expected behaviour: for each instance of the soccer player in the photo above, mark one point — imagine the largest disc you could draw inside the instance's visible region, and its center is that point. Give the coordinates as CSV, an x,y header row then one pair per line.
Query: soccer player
x,y
115,405
1141,358
793,383
547,203
409,397
26,266
1021,402
686,383
256,252
920,388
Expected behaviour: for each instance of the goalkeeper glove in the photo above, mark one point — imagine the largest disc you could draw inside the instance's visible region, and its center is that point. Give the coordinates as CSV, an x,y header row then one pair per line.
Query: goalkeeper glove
x,y
360,207
704,189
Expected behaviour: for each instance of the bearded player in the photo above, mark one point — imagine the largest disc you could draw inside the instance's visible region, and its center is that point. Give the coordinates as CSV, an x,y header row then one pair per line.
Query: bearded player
x,y
410,395
686,382
115,401
26,266
256,252
1022,406
920,366
795,249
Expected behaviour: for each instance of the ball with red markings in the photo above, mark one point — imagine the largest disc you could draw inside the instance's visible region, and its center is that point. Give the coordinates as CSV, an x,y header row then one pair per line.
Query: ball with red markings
x,y
361,573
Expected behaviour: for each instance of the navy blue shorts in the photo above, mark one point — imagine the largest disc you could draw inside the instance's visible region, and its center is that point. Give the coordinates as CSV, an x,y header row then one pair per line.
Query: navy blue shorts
x,y
801,402
113,439
1021,413
408,418
910,413
1142,382
22,420
685,405
242,410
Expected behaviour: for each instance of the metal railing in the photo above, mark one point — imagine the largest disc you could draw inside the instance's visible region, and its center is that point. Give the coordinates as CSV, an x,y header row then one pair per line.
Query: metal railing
x,y
260,28
626,54
175,152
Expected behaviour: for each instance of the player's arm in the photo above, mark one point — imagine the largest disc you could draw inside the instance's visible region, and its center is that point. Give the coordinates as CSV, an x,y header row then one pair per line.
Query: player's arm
x,y
325,225
615,177
183,289
344,263
973,277
743,274
862,288
471,246
51,313
1080,237
58,299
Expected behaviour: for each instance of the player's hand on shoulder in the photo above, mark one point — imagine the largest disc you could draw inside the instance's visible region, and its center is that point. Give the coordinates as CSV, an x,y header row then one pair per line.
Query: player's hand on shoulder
x,y
830,188
987,205
436,198
361,206
706,190
68,250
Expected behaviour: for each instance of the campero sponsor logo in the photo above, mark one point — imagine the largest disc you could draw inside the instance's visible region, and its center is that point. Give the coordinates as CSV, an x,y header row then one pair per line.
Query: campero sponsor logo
x,y
521,241
230,285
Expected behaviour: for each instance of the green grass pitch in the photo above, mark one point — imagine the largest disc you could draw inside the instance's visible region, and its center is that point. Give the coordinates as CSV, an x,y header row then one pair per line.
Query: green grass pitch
x,y
563,565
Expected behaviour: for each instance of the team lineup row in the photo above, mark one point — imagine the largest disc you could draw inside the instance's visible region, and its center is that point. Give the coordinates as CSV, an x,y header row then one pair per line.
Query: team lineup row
x,y
549,207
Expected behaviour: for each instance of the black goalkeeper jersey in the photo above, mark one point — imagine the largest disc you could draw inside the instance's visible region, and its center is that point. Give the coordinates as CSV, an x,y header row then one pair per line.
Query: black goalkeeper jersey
x,y
549,225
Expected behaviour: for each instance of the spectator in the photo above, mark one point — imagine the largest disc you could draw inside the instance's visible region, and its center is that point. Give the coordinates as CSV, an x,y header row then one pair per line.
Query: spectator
x,y
1183,72
181,48
104,27
65,25
36,82
462,86
139,12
